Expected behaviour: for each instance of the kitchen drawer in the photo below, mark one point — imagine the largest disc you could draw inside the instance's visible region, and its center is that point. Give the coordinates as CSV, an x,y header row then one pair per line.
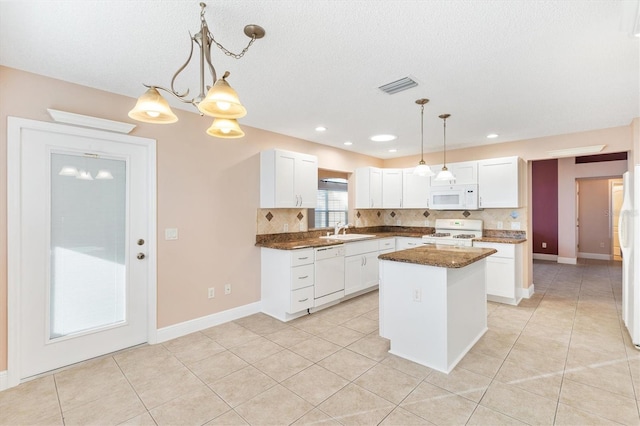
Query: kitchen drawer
x,y
386,244
301,257
301,299
504,250
302,276
360,247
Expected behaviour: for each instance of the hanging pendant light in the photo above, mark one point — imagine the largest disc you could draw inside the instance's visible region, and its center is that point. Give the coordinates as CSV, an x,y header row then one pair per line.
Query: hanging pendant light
x,y
422,169
445,174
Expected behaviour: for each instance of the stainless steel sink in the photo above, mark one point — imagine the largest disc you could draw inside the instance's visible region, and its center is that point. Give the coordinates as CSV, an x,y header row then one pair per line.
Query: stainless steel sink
x,y
348,237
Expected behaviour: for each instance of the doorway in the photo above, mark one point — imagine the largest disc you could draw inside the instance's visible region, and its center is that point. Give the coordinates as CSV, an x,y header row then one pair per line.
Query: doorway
x,y
616,204
81,244
597,212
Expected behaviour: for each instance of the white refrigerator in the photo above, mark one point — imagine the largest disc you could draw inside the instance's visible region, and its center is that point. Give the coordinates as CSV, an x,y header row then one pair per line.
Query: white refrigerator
x,y
629,235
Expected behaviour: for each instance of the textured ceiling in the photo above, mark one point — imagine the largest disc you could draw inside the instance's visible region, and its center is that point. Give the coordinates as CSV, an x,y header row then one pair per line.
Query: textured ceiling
x,y
521,68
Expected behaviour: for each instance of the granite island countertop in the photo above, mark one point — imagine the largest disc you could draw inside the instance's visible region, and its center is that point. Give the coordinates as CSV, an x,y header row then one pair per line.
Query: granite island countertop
x,y
439,255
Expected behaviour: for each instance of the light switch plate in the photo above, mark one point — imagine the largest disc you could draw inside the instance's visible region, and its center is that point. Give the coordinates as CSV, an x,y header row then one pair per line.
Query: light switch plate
x,y
171,234
515,225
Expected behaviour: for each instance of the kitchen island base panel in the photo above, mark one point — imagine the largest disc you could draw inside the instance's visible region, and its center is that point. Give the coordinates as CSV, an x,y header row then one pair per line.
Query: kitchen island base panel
x,y
432,315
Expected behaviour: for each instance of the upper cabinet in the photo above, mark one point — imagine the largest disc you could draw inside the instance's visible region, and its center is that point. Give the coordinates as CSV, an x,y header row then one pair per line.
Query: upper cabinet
x,y
392,189
465,172
500,183
368,188
415,190
288,179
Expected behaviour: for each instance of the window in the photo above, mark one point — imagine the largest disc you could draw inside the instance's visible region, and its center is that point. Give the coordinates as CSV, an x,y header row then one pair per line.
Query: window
x,y
332,203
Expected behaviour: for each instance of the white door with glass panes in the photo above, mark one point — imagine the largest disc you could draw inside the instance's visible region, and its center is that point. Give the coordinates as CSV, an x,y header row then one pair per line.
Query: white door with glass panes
x,y
81,244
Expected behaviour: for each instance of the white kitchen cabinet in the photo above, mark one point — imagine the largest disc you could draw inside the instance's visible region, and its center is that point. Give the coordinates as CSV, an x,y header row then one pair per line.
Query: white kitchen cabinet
x,y
500,183
392,189
386,245
465,172
403,243
287,282
415,190
288,179
360,266
503,272
368,188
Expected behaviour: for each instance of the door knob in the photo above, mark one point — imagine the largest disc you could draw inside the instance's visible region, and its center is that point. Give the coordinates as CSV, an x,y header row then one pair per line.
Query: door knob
x,y
140,242
140,256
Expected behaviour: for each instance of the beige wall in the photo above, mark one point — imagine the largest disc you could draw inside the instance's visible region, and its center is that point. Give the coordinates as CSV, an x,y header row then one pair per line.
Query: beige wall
x,y
208,188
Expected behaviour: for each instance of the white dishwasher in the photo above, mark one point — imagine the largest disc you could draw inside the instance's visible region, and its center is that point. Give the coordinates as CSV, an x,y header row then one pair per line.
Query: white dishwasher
x,y
329,274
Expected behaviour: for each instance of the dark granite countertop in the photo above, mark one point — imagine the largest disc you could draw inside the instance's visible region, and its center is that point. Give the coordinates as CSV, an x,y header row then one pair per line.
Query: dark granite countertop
x,y
501,240
439,255
311,239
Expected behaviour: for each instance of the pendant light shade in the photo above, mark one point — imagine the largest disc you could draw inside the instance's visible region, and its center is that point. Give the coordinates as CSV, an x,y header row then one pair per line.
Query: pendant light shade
x,y
153,108
445,174
422,169
222,101
225,128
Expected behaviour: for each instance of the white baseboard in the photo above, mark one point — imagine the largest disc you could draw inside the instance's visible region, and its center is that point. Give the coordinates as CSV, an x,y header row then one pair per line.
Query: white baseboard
x,y
596,256
4,381
542,256
526,293
568,260
198,324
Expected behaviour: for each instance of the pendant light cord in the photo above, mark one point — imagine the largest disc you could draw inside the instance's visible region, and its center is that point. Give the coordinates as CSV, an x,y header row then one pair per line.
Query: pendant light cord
x,y
422,133
445,141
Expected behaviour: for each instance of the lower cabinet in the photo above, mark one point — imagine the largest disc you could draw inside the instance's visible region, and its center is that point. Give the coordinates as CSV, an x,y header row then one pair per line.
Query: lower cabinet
x,y
504,272
403,243
360,266
287,282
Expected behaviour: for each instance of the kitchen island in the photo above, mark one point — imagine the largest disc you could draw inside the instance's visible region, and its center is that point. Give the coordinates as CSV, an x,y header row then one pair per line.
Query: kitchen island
x,y
433,305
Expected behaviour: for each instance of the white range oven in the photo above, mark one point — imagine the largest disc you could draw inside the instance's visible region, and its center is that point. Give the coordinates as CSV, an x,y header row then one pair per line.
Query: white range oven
x,y
454,197
455,232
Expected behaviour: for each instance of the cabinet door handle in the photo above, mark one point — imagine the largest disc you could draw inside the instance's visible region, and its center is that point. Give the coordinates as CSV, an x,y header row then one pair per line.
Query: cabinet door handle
x,y
372,202
303,300
365,261
303,258
301,201
480,201
303,278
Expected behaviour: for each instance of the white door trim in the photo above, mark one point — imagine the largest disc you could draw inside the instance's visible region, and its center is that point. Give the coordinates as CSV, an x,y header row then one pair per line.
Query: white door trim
x,y
14,248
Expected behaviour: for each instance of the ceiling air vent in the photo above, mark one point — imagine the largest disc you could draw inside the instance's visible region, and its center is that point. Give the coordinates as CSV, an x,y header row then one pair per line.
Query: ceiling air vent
x,y
398,86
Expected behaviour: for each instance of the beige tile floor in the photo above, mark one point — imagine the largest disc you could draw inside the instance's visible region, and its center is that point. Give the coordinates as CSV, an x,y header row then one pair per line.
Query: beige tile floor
x,y
561,357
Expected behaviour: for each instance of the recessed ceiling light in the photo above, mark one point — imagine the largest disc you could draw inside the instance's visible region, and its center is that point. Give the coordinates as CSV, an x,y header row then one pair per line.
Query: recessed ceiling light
x,y
321,129
393,150
492,135
348,143
383,138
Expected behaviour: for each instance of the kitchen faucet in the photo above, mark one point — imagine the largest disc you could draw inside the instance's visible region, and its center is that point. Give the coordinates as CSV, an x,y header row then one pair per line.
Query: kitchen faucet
x,y
340,226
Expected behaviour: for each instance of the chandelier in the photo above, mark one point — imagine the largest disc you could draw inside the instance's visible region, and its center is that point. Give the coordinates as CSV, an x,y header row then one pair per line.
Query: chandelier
x,y
220,101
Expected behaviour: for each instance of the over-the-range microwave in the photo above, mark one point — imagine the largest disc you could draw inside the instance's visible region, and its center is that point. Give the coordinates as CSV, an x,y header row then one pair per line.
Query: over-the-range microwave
x,y
454,197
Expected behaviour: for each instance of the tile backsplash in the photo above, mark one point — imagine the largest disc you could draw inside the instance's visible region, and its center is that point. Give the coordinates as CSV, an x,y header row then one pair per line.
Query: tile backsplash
x,y
274,221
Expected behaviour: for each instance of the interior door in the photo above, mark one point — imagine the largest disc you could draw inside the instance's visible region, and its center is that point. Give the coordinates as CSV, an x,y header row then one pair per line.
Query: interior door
x,y
616,204
80,244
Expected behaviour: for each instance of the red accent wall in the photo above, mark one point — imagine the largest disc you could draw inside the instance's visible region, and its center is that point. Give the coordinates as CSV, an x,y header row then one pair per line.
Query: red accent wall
x,y
544,211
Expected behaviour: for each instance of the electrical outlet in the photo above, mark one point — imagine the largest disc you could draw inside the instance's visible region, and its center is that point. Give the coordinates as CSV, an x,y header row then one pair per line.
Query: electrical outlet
x,y
227,289
171,234
602,245
398,222
515,225
500,226
286,227
544,245
212,292
301,226
417,295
